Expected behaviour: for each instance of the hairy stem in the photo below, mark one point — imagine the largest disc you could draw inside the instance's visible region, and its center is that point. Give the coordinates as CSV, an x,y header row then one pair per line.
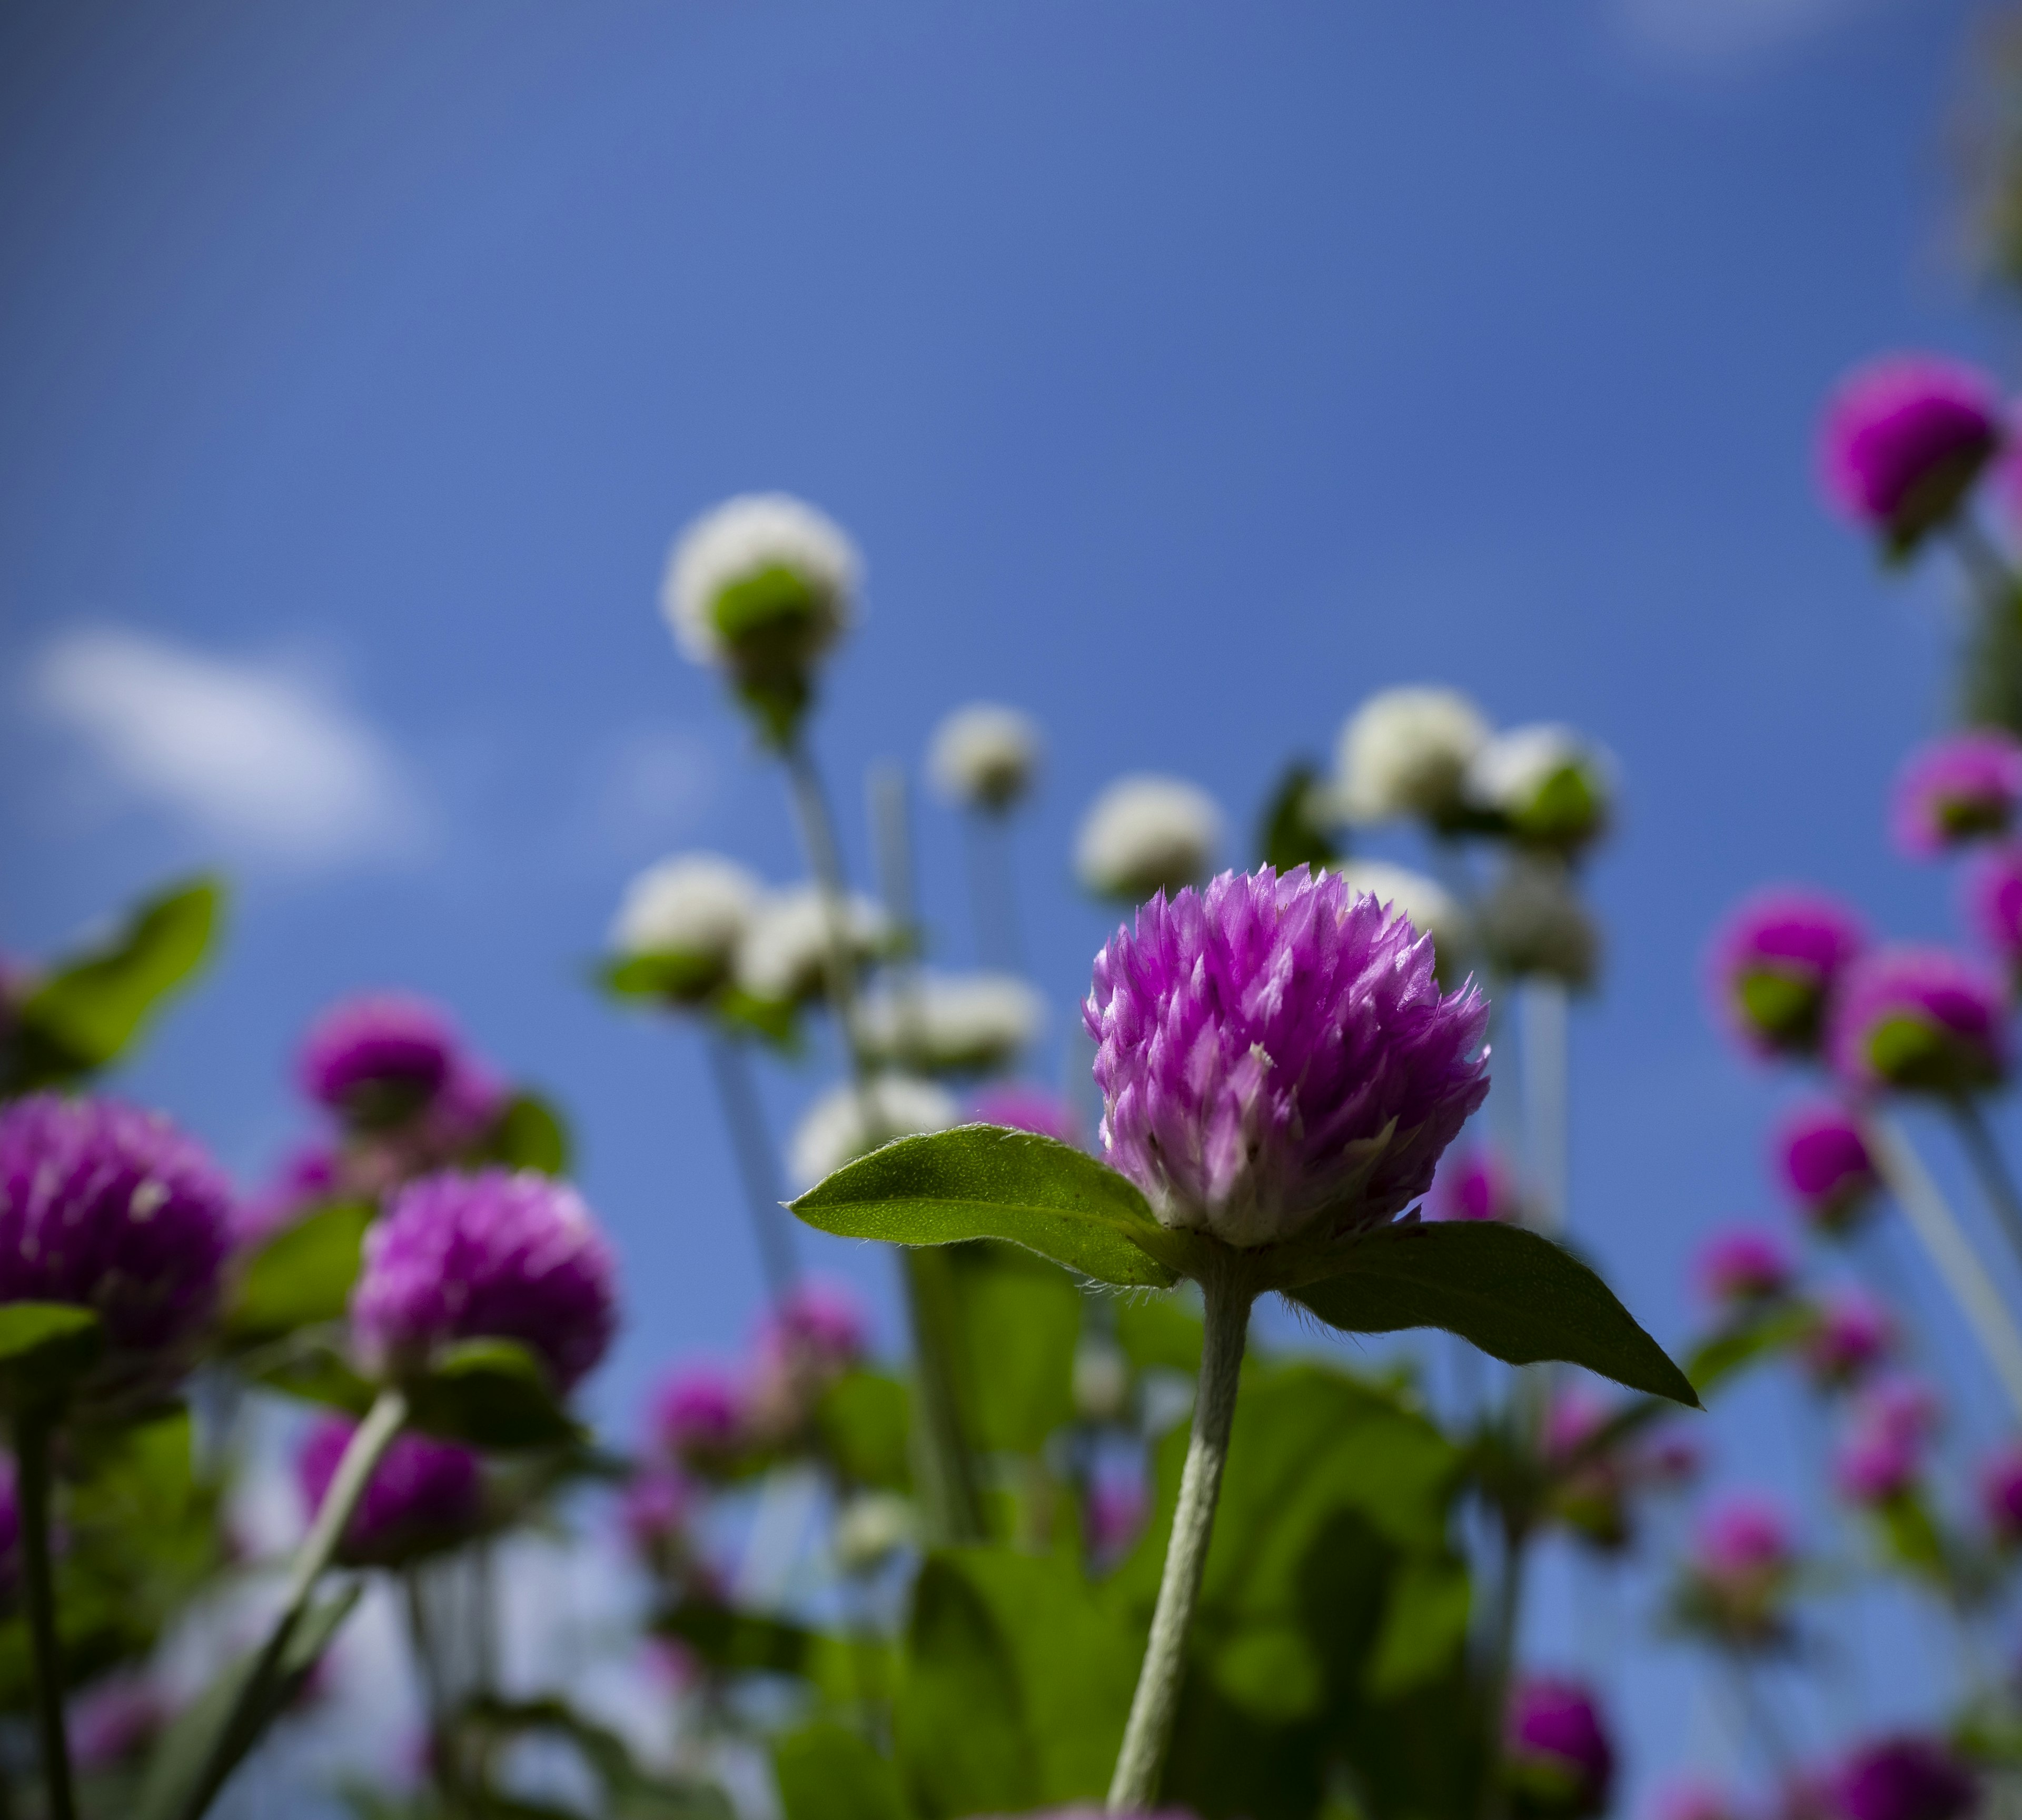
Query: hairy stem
x,y
32,1436
1153,1707
745,1118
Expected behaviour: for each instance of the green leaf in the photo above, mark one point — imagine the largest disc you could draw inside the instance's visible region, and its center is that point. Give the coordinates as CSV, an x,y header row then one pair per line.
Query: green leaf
x,y
852,1670
314,1368
530,1135
1160,1333
1018,1318
864,1418
773,1020
83,1015
491,1393
981,1181
1296,828
679,979
1425,1625
46,1347
826,1772
1745,1342
1513,1292
301,1276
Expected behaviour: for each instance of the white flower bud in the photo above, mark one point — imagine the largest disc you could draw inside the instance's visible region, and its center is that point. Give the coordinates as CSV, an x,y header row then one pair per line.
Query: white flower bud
x,y
1547,784
1532,922
1426,904
1405,752
870,1528
983,757
748,540
960,1023
1145,833
834,1130
692,911
784,955
1101,1382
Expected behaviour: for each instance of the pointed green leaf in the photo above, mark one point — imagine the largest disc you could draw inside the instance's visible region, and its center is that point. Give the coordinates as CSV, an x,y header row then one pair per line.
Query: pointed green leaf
x,y
981,1181
1512,1291
530,1135
301,1276
826,1772
45,1348
491,1393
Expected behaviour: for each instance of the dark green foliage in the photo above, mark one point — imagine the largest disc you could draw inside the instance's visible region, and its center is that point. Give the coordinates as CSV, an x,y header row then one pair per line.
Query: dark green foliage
x,y
630,1793
1754,1337
491,1393
300,1277
1296,828
1018,1319
1990,679
45,1348
826,1772
530,1135
863,1420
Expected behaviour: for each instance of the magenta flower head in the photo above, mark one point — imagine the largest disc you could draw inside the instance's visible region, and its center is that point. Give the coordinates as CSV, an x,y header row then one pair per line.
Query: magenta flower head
x,y
1921,1020
1853,1333
1743,1545
493,1255
1992,890
378,1059
1273,1052
2000,1486
1743,1268
1963,787
424,1495
1904,440
1019,1107
1903,1778
701,1417
1475,1183
655,1507
1774,963
10,1532
817,1330
1556,1755
112,1208
1695,1801
1883,1451
1823,1159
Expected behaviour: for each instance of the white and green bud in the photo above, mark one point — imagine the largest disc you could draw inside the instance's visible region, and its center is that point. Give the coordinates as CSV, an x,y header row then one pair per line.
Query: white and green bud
x,y
954,1023
679,925
1145,833
1545,786
1532,923
783,957
854,1119
1405,752
984,757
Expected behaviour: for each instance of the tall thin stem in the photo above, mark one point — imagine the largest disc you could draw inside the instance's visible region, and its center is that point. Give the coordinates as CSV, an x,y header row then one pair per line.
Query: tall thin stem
x,y
1155,1704
1503,1628
1990,1166
1983,563
745,1118
32,1436
1545,1012
993,900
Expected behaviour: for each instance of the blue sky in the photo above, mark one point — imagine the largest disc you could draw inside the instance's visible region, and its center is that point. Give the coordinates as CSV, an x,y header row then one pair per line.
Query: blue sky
x,y
1185,373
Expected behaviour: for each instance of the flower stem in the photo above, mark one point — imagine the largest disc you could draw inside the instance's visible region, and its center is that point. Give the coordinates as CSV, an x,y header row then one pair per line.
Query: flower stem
x,y
32,1436
993,901
742,1114
1990,1166
1155,1704
1545,1096
1502,1661
1987,569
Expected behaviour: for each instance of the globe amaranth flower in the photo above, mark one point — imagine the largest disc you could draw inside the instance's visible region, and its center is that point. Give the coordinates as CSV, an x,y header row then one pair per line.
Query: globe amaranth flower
x,y
1557,1758
955,1024
852,1120
1742,1563
1992,890
1904,439
1882,1453
1533,925
1962,788
655,1509
1696,1801
1774,963
1546,785
378,1059
1276,1059
701,1417
1145,833
1476,1183
808,1340
1115,1515
1745,1267
1021,1107
1590,1476
1424,903
760,588
1921,1019
115,1720
491,1255
687,916
1852,1333
784,956
1904,1778
984,757
1405,753
112,1208
2000,1488
424,1495
1823,1159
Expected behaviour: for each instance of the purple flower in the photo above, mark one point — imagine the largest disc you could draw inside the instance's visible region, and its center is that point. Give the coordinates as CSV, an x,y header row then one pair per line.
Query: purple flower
x,y
1022,1108
424,1494
1744,1267
1775,961
1117,1509
1271,1049
1992,889
1743,1545
1883,1450
1556,1753
1903,1778
1695,1801
1963,787
2000,1486
113,1720
1924,1019
379,1058
1853,1332
1475,1183
1904,438
1822,1158
655,1507
111,1208
817,1331
10,1531
494,1255
700,1416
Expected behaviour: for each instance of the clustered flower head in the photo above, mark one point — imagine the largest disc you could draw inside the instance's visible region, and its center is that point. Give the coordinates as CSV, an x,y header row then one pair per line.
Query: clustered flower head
x,y
1018,1106
784,955
1557,1758
112,1208
1424,902
689,914
1882,1453
1921,1019
1852,1333
1775,963
1743,1562
1992,888
1907,1778
1276,1059
1545,786
1962,788
959,1023
1823,1161
1744,1268
1904,439
1476,1183
1405,752
1533,925
491,1255
423,1495
853,1119
2001,1494
761,587
699,1417
1146,833
984,757
1697,1801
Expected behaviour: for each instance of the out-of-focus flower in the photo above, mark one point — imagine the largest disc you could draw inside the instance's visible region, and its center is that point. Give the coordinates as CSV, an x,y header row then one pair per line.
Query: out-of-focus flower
x,y
424,1494
1145,833
1744,1268
310,1173
1696,1801
1406,752
1545,785
114,1720
760,587
817,1330
1556,1755
1962,788
984,757
1424,903
1741,1566
1591,1490
851,1120
951,1023
1823,1159
1992,889
1475,1183
1905,1777
114,1210
378,1059
1019,1107
492,1255
1882,1453
1774,962
870,1528
2000,1486
655,1508
1533,925
701,1417
1246,1112
1853,1333
1101,1380
1117,1510
1921,1019
10,1532
784,955
1903,439
688,915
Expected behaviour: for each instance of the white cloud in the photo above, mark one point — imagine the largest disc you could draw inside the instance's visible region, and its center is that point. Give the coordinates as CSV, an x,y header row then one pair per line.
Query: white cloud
x,y
1721,34
265,761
